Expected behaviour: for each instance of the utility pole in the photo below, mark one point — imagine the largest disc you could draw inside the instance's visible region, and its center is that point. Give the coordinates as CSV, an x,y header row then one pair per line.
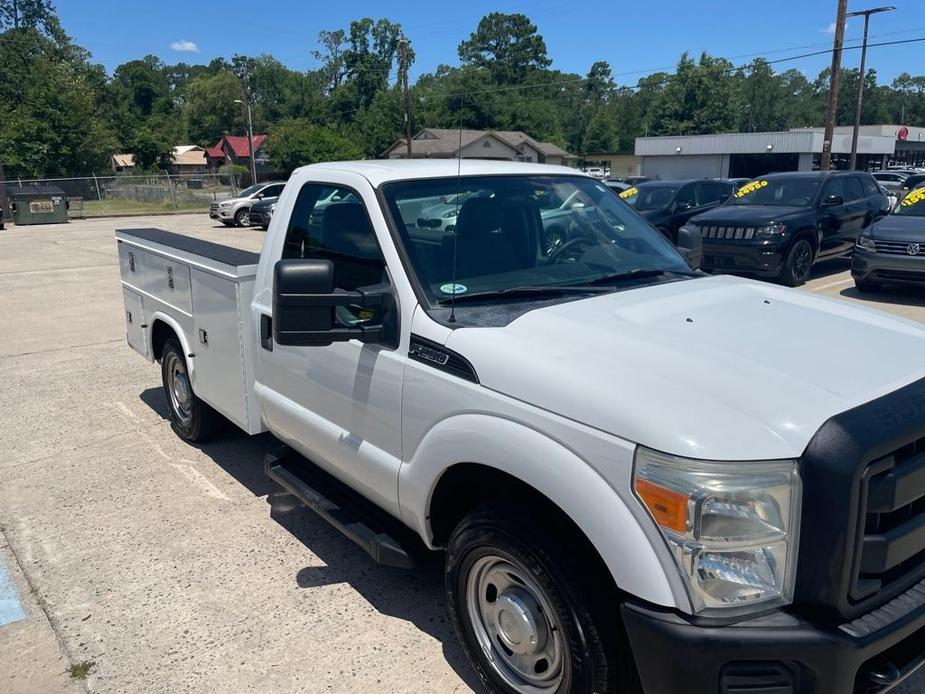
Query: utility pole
x,y
250,123
826,161
861,76
403,72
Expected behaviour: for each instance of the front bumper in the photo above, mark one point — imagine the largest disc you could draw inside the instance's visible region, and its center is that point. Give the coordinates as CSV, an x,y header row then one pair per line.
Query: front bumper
x,y
887,267
751,258
776,653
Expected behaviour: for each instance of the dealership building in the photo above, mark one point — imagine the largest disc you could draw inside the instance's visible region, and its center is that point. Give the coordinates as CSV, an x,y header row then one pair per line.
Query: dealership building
x,y
746,155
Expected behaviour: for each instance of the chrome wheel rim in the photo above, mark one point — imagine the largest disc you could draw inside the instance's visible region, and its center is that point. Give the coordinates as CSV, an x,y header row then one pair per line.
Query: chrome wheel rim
x,y
244,218
802,260
515,625
179,390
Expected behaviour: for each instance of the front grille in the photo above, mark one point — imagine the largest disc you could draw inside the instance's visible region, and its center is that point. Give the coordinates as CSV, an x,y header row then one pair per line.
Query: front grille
x,y
727,232
891,549
900,248
213,207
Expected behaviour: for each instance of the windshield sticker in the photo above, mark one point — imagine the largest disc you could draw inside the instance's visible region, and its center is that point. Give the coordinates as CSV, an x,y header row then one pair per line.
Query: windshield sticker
x,y
750,188
454,288
914,197
629,192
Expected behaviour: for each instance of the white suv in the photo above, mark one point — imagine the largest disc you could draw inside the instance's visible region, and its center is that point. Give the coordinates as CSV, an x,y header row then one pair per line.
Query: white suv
x,y
237,210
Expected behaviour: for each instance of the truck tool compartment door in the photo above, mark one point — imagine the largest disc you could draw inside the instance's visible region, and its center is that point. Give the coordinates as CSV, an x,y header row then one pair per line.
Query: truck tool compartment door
x,y
339,405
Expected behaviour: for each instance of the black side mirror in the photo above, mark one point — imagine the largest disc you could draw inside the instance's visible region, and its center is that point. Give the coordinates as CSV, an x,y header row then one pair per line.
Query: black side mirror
x,y
304,299
833,201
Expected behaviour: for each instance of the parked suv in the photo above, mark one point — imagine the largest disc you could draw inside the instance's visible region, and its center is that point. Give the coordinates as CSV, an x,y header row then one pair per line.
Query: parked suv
x,y
261,212
669,204
778,225
893,250
237,210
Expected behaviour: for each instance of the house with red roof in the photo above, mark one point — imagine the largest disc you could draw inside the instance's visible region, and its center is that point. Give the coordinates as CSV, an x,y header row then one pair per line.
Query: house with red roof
x,y
233,149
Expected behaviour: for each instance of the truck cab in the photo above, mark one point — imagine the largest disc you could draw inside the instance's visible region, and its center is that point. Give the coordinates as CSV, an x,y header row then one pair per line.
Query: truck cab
x,y
619,456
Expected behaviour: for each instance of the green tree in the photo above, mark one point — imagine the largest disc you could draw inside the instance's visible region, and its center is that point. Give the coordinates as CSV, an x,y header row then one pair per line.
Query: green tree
x,y
602,133
699,98
32,14
507,45
297,142
210,107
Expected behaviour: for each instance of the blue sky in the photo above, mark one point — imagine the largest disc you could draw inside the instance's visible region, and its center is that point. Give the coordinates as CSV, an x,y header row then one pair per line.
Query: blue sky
x,y
634,37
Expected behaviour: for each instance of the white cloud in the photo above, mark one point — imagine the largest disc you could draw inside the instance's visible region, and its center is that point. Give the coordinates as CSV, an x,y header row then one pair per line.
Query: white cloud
x,y
829,29
185,46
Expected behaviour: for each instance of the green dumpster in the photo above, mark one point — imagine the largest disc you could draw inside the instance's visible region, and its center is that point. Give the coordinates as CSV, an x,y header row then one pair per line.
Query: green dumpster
x,y
37,204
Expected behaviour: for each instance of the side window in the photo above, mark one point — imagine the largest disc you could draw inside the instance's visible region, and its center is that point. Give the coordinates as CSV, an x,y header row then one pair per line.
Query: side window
x,y
714,191
687,196
870,186
273,191
835,186
331,223
853,188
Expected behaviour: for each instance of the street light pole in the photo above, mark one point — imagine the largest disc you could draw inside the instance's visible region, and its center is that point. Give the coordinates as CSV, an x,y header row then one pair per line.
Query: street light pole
x,y
861,78
250,138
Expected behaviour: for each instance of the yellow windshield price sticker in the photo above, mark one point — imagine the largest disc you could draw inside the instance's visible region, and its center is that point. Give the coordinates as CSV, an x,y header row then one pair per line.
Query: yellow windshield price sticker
x,y
750,188
629,192
914,197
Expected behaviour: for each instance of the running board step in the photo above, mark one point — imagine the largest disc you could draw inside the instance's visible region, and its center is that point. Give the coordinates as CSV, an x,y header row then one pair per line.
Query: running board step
x,y
340,506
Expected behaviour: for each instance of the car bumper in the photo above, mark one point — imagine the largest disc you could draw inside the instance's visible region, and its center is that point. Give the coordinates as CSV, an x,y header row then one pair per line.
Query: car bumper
x,y
887,267
259,219
750,258
220,214
776,653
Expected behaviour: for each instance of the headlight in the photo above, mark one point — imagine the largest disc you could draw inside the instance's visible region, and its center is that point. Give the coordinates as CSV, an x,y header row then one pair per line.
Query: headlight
x,y
771,232
226,203
273,208
867,243
732,528
449,215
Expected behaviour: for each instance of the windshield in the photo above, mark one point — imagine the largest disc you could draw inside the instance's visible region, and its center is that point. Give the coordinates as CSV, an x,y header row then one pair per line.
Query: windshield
x,y
790,192
913,205
247,192
649,197
516,232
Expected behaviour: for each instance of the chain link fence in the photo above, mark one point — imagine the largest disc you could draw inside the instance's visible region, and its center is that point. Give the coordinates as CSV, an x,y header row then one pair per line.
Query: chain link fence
x,y
135,194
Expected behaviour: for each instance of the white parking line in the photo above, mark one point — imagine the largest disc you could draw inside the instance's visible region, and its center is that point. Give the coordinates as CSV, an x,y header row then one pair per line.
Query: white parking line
x,y
831,284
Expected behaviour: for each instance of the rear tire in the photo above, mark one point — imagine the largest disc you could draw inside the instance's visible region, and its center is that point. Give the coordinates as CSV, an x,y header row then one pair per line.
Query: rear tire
x,y
190,417
531,616
798,265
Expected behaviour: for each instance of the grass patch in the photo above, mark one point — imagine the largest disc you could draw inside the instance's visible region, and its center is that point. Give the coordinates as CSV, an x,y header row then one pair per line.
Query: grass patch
x,y
101,208
80,671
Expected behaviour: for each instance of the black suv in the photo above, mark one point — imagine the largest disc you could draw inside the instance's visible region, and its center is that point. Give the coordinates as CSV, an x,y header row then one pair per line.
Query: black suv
x,y
778,225
669,204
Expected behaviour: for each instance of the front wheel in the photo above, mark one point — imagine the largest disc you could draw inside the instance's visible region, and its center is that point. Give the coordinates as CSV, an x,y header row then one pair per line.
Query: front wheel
x,y
242,217
523,610
190,417
798,264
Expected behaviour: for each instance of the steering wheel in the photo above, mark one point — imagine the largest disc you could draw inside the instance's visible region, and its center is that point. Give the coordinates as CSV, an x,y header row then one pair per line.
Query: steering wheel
x,y
557,254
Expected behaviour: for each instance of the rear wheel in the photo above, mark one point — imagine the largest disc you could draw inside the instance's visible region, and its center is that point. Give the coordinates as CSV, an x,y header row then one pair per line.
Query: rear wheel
x,y
242,217
190,417
798,264
524,609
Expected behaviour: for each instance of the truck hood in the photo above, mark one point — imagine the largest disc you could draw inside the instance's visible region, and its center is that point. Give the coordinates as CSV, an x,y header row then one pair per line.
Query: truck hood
x,y
718,368
750,214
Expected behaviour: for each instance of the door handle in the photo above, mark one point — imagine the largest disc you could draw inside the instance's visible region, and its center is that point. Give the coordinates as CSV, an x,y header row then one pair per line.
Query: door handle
x,y
266,332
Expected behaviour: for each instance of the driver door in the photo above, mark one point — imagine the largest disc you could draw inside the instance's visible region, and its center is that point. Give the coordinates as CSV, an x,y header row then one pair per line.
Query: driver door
x,y
340,404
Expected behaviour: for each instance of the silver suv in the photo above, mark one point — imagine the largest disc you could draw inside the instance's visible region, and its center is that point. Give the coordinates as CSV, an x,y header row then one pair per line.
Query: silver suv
x,y
237,210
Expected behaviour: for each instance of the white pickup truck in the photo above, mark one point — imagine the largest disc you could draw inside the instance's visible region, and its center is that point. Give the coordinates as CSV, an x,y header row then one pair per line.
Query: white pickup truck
x,y
644,478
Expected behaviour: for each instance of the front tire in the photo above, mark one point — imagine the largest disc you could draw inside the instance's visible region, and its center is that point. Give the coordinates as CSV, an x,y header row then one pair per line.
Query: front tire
x,y
798,264
190,417
242,217
523,609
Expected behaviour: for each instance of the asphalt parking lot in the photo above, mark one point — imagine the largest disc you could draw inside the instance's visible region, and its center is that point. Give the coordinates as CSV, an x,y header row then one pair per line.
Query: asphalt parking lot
x,y
149,565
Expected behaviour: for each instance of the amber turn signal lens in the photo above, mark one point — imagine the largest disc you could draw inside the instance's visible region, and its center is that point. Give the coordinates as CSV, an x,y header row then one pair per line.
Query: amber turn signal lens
x,y
668,507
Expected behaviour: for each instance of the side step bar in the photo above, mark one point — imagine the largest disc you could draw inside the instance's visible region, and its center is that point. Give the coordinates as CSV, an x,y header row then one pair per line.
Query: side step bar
x,y
339,506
